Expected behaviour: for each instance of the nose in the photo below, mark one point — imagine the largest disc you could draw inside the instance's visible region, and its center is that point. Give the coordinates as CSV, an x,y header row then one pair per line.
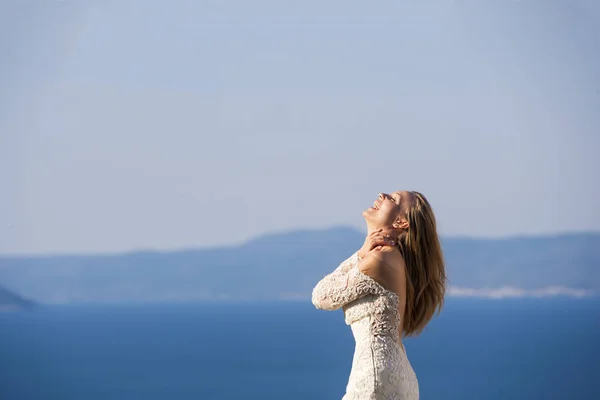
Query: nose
x,y
381,196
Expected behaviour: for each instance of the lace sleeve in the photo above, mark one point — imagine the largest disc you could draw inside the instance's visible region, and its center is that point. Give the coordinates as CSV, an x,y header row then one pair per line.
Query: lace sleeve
x,y
347,264
344,285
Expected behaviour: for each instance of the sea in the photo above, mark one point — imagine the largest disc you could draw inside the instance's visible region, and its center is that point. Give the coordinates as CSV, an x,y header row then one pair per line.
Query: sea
x,y
544,348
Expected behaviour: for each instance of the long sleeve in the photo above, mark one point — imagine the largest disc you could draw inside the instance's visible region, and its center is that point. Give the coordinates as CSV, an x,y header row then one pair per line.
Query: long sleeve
x,y
347,264
344,285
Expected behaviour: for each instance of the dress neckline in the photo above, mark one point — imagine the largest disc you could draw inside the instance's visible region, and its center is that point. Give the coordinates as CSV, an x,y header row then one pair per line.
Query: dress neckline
x,y
391,292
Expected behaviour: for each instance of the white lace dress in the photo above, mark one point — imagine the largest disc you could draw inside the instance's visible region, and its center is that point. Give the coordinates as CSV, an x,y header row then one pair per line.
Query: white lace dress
x,y
380,367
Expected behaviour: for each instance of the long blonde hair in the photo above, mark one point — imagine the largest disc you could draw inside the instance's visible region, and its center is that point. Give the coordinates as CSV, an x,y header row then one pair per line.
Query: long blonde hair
x,y
425,270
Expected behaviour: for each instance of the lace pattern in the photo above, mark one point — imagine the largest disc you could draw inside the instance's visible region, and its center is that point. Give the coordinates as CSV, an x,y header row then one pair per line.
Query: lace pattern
x,y
380,367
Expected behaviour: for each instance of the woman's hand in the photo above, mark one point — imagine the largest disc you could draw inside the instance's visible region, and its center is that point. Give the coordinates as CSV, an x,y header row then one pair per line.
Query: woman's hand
x,y
377,238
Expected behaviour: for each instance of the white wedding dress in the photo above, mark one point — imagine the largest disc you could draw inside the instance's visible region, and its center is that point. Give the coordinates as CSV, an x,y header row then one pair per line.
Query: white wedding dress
x,y
380,367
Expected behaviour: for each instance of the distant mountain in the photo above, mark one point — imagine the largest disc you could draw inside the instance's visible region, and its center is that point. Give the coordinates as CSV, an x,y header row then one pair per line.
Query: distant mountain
x,y
287,265
10,301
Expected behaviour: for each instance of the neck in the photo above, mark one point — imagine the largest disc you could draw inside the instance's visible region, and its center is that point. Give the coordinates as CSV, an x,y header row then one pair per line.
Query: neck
x,y
371,229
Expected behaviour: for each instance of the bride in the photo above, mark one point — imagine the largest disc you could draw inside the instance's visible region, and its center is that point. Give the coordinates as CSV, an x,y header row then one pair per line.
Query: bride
x,y
389,289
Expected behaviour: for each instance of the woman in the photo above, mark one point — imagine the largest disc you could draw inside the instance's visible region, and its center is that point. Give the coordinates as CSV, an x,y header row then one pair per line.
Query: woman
x,y
388,289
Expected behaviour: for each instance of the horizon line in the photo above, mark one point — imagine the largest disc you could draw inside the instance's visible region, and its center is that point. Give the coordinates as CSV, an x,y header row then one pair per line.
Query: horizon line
x,y
264,235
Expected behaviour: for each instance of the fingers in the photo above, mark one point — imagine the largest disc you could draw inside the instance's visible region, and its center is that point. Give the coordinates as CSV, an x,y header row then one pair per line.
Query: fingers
x,y
381,239
380,233
392,231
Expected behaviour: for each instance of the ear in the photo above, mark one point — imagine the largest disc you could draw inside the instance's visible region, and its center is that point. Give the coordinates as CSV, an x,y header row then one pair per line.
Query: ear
x,y
400,224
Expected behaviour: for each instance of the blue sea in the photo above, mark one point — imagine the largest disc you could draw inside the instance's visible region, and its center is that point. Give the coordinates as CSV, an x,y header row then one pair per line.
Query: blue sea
x,y
477,349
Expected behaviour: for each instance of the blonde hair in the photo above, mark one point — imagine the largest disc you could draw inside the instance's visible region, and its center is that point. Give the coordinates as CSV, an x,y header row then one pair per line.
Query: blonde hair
x,y
425,270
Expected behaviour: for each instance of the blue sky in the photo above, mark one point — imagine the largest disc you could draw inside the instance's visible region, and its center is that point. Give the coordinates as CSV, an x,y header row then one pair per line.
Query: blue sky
x,y
164,125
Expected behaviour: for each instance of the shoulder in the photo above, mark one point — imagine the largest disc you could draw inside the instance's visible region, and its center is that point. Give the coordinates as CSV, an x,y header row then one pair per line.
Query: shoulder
x,y
381,256
379,262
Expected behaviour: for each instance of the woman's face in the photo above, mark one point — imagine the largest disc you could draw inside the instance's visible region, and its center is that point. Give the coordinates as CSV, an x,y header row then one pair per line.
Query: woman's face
x,y
387,209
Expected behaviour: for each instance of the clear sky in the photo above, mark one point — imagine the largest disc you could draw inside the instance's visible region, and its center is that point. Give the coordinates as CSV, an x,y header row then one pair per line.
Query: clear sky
x,y
173,124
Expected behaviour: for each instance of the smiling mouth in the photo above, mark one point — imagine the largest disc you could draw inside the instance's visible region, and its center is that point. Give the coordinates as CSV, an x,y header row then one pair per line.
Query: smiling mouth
x,y
375,206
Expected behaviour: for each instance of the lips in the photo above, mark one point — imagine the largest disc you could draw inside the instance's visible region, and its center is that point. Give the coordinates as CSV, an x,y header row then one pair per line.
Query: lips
x,y
375,205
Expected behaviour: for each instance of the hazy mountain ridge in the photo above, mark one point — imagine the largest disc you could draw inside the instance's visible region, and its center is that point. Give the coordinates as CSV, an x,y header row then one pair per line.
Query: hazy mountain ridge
x,y
11,301
287,265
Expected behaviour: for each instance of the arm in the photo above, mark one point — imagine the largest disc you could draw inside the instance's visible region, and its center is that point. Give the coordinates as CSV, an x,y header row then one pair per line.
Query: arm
x,y
347,264
342,287
347,283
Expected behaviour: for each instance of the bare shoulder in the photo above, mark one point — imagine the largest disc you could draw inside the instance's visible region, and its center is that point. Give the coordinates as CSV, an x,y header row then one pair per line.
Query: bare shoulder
x,y
383,265
390,256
